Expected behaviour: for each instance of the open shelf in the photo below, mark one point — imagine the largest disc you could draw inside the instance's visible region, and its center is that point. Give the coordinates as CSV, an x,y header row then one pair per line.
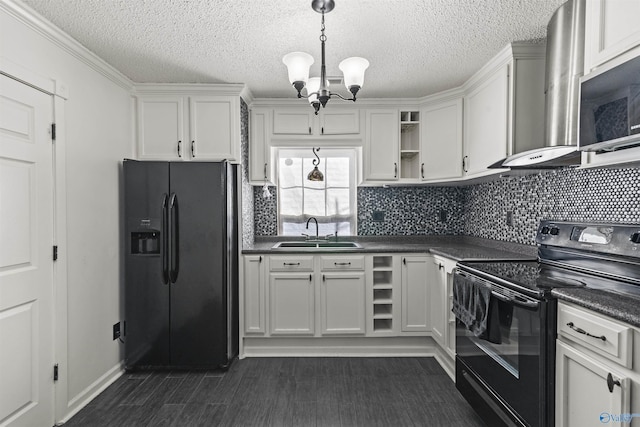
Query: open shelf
x,y
383,293
409,144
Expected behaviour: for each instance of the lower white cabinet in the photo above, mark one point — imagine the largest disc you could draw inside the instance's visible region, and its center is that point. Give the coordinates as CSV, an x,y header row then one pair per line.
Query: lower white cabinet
x,y
291,304
342,303
597,372
254,294
416,293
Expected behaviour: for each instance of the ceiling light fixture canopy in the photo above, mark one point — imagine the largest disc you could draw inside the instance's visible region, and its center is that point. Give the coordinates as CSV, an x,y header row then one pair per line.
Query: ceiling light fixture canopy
x,y
298,64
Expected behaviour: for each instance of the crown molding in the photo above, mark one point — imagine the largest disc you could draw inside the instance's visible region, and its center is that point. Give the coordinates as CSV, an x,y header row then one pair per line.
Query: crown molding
x,y
35,21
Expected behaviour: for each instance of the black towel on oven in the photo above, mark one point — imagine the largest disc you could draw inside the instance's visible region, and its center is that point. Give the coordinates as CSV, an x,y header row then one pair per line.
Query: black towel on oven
x,y
471,300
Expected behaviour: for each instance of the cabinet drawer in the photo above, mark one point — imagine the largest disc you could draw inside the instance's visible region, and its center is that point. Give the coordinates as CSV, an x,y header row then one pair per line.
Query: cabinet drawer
x,y
597,333
342,262
291,263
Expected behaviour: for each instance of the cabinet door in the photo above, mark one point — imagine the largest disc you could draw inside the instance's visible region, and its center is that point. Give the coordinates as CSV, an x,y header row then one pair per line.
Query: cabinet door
x,y
214,128
259,151
335,122
415,293
291,304
436,280
382,139
486,122
342,303
161,128
254,294
611,28
441,141
297,121
582,394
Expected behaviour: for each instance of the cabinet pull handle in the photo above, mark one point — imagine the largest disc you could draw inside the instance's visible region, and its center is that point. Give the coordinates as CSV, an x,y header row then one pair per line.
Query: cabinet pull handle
x,y
404,261
180,149
422,170
193,149
310,279
265,171
324,278
309,130
440,266
611,382
342,263
583,332
290,263
395,170
322,130
464,164
260,258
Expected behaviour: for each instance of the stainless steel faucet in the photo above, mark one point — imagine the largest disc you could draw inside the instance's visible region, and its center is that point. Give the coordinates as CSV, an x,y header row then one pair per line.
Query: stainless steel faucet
x,y
313,218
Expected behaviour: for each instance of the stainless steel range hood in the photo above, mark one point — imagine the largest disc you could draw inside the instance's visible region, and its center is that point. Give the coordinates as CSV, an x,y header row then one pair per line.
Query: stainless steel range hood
x,y
564,67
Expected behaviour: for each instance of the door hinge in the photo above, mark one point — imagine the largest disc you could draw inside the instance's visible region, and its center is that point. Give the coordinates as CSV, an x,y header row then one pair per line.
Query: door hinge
x,y
55,372
55,253
53,131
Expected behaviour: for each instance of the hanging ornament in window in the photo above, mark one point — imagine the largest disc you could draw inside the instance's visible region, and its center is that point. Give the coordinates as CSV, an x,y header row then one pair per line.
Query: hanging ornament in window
x,y
315,174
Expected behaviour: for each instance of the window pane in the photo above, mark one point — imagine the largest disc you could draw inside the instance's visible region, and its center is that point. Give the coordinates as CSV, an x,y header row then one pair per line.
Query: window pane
x,y
314,202
290,201
338,172
338,202
290,172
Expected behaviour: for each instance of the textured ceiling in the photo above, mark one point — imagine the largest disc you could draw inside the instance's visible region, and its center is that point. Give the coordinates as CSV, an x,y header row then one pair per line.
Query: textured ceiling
x,y
415,47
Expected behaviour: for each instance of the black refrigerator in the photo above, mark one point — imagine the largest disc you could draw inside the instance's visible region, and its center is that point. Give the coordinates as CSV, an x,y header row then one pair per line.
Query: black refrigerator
x,y
181,264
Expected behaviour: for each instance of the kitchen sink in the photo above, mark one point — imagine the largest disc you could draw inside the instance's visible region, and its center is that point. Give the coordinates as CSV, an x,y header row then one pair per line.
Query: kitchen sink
x,y
316,245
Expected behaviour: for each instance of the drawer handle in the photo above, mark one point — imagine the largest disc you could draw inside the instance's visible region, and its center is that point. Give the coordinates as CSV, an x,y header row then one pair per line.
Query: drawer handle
x,y
342,263
290,263
583,332
611,382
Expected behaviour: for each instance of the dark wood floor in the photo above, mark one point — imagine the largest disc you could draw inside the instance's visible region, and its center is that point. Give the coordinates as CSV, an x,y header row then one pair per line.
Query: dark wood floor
x,y
286,392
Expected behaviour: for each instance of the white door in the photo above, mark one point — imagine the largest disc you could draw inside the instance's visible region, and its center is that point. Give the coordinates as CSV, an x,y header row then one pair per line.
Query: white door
x,y
26,265
342,303
415,294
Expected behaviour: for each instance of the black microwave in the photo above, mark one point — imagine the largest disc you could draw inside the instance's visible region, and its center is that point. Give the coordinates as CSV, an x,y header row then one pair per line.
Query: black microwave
x,y
610,108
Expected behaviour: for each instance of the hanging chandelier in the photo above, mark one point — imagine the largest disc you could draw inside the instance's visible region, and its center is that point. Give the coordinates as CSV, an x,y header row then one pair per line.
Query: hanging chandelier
x,y
298,64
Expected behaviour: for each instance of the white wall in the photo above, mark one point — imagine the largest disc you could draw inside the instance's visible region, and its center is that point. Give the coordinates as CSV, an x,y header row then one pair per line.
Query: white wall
x,y
97,136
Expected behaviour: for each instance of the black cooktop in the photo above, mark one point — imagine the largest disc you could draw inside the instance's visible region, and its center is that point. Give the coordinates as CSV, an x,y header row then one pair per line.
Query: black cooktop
x,y
531,277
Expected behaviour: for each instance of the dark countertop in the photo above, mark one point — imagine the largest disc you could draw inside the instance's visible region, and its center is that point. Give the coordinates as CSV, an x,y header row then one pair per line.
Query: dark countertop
x,y
458,248
625,308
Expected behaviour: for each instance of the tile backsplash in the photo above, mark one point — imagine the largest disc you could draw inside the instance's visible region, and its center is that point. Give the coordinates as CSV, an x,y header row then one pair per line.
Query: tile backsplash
x,y
590,195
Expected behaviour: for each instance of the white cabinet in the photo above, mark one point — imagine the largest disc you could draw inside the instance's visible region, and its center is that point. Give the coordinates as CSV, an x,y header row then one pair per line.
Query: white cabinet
x,y
611,28
342,294
173,124
443,323
596,377
260,167
291,304
504,108
416,293
254,294
382,145
383,291
302,121
342,303
441,140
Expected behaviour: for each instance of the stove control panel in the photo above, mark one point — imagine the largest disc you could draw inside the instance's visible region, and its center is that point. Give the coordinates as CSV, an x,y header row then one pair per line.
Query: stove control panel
x,y
614,239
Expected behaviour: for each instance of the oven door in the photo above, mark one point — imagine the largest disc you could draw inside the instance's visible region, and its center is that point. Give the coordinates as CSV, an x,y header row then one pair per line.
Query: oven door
x,y
509,361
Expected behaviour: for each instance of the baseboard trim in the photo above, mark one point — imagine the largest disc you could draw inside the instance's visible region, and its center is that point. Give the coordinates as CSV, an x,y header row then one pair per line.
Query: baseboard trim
x,y
83,398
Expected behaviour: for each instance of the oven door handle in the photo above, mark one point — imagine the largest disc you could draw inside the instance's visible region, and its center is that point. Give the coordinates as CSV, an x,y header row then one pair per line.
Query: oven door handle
x,y
515,300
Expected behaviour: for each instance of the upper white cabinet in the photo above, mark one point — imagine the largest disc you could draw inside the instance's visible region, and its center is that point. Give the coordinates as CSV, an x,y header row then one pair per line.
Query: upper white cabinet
x,y
260,167
188,122
441,140
504,108
302,121
611,28
382,145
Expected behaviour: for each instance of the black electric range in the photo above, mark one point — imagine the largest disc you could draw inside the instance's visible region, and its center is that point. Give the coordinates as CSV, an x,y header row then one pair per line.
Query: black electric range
x,y
505,335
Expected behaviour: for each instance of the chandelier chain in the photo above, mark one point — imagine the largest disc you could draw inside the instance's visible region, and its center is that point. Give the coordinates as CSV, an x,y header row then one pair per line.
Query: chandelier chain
x,y
323,38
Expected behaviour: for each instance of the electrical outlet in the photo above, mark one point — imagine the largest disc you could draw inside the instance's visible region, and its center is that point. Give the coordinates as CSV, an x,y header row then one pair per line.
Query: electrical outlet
x,y
509,218
442,215
116,331
377,216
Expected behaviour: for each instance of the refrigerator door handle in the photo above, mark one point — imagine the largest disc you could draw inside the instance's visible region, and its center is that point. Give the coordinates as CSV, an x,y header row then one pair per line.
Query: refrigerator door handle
x,y
174,258
164,232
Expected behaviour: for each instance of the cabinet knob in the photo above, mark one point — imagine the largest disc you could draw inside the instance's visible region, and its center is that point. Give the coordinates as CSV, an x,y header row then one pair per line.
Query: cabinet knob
x,y
611,382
